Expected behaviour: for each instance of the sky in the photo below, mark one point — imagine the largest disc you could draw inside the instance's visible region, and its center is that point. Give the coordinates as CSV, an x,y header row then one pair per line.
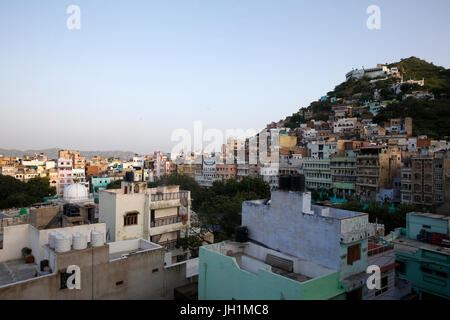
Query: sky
x,y
136,71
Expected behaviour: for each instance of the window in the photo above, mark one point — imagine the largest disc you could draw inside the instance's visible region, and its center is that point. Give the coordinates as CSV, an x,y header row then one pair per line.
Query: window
x,y
401,267
384,285
118,283
130,219
353,253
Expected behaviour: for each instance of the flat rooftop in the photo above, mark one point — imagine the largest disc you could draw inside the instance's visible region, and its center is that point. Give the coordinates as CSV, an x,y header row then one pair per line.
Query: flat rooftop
x,y
252,257
291,275
430,215
16,270
120,249
411,246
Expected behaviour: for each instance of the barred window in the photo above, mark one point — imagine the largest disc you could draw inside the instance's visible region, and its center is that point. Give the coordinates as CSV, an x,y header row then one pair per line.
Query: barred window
x,y
130,219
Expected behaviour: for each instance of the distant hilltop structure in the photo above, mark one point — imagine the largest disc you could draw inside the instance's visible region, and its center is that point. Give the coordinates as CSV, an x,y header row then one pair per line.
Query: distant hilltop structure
x,y
379,71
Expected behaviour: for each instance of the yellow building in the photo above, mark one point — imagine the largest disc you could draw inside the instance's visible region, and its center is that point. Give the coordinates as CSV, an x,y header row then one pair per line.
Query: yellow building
x,y
186,169
288,141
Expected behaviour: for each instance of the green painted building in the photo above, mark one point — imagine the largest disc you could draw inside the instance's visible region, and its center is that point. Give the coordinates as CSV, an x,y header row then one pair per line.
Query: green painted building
x,y
295,251
422,257
240,275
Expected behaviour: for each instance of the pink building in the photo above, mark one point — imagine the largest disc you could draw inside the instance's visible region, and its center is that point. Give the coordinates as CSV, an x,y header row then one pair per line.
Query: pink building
x,y
226,171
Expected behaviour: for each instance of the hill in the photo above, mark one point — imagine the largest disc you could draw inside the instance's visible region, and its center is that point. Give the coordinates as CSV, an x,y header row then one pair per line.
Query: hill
x,y
53,153
431,115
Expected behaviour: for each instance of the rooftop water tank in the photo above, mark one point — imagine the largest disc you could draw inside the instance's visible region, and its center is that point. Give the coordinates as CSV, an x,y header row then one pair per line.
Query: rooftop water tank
x,y
63,242
241,234
97,238
51,239
285,182
79,241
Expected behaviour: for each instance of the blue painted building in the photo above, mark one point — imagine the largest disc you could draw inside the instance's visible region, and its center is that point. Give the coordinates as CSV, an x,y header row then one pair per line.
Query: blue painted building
x,y
295,251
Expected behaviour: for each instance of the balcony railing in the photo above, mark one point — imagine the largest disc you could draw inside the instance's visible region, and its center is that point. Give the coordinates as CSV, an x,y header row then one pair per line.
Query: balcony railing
x,y
158,222
169,196
168,245
379,250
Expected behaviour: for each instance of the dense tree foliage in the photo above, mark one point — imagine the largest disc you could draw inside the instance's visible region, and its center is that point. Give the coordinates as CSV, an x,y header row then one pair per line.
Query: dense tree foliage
x,y
437,79
15,193
220,210
114,185
430,117
219,207
382,214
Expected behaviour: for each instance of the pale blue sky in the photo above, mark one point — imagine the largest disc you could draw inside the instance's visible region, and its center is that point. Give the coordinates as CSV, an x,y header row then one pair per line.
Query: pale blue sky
x,y
137,70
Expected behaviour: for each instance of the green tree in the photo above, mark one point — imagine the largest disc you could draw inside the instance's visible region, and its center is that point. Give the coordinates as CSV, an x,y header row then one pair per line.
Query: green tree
x,y
114,185
15,193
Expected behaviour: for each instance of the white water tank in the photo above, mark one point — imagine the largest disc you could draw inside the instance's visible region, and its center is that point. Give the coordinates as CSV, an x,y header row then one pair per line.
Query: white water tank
x,y
79,240
97,238
63,242
51,239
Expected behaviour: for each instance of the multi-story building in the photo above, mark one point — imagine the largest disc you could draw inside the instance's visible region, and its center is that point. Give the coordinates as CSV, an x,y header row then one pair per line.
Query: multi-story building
x,y
422,252
65,178
209,168
406,188
317,173
344,124
242,171
322,149
376,168
8,170
427,179
187,169
270,173
293,251
159,215
79,174
130,269
225,171
343,173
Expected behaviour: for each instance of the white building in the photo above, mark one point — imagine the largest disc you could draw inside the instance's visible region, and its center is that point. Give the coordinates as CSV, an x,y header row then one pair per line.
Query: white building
x,y
344,124
79,174
64,174
160,215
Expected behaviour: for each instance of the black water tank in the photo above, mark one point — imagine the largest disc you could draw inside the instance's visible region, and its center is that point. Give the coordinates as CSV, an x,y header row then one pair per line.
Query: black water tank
x,y
71,211
129,176
298,183
285,182
241,234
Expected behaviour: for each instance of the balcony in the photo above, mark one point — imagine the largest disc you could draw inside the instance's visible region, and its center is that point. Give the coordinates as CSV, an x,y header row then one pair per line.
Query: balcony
x,y
367,156
368,173
158,222
169,196
168,245
367,165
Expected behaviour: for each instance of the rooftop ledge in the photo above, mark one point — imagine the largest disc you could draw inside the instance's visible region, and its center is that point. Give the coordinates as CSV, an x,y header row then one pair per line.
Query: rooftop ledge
x,y
122,249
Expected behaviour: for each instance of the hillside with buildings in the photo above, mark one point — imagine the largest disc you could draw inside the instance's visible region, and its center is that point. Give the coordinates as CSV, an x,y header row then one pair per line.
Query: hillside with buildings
x,y
409,88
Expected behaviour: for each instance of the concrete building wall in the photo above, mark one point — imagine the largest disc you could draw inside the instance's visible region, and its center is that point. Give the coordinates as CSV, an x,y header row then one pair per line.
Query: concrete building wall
x,y
15,237
40,217
220,277
126,204
278,224
139,276
107,213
